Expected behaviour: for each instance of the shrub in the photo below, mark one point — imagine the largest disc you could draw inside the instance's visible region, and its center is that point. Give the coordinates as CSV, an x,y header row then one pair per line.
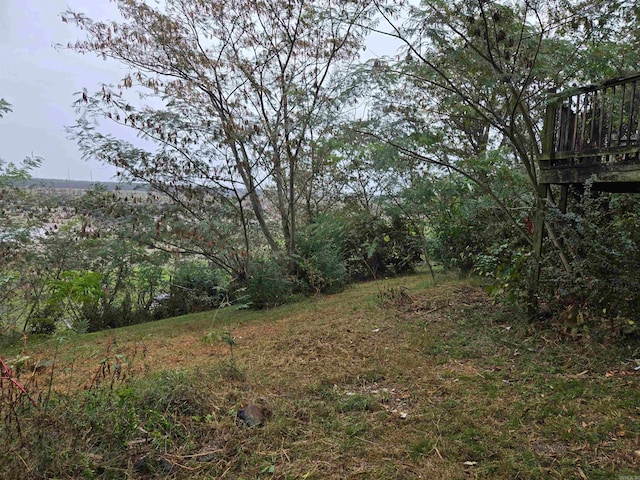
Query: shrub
x,y
602,240
403,248
460,234
268,284
195,287
44,320
321,264
376,246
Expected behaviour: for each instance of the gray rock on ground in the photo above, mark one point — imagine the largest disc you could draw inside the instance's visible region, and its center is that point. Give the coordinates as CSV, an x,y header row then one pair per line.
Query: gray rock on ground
x,y
250,416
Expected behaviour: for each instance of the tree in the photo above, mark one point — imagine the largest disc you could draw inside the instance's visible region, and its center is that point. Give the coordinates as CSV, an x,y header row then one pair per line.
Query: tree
x,y
21,214
234,90
491,64
481,71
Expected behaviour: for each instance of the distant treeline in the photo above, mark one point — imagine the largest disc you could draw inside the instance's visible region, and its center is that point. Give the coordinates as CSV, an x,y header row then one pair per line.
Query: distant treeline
x,y
53,183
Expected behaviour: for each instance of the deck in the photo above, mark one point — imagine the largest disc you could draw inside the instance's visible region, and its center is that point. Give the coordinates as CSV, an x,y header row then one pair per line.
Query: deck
x,y
593,133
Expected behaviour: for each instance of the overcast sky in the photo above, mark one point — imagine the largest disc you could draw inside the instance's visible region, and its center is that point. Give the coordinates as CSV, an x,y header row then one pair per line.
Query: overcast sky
x,y
39,82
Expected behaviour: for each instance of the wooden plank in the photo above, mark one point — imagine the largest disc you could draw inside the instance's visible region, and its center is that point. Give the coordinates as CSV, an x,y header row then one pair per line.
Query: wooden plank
x,y
600,174
548,129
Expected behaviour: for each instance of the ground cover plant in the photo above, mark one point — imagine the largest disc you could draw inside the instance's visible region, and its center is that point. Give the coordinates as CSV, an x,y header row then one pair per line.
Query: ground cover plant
x,y
396,378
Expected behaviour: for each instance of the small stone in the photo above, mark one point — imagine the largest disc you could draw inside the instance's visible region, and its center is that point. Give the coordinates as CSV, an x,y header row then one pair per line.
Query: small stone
x,y
146,465
251,416
165,465
141,465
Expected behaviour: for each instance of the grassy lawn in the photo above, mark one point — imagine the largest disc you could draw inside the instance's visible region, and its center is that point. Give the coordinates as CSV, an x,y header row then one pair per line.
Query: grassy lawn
x,y
392,379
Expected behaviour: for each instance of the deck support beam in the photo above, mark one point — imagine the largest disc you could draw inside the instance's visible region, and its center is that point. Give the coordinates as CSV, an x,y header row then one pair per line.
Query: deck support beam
x,y
538,237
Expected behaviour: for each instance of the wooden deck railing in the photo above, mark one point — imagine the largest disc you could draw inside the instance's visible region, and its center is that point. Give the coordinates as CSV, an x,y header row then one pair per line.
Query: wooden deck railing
x,y
593,130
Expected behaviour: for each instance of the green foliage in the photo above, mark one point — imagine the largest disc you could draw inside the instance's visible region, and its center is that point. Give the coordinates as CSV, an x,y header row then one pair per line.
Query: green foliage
x,y
79,294
149,280
94,283
601,236
44,321
11,173
20,216
467,230
457,236
5,107
377,247
195,287
321,265
268,284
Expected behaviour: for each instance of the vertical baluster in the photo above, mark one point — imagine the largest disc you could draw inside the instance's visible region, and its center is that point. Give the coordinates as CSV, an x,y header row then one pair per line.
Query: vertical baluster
x,y
576,117
621,115
632,137
564,124
550,136
557,126
610,116
583,122
595,114
637,118
603,95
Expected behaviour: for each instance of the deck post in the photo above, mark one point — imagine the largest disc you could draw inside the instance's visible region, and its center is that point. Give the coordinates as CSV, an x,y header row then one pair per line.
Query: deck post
x,y
538,237
564,198
543,190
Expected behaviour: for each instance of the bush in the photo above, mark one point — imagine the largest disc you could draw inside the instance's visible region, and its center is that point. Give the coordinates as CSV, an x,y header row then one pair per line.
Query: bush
x,y
114,316
460,235
321,264
376,247
602,240
404,247
195,287
268,284
44,320
42,325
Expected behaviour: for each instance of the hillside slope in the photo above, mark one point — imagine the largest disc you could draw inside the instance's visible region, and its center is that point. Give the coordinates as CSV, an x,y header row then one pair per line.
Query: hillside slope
x,y
391,379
